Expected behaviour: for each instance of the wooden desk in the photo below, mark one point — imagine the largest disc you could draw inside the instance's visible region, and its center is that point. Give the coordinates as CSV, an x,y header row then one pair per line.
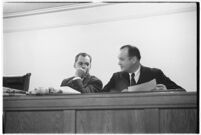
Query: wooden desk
x,y
102,113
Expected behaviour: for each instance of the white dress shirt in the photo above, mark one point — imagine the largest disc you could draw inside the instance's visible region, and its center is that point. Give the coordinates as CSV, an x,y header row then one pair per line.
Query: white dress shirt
x,y
137,75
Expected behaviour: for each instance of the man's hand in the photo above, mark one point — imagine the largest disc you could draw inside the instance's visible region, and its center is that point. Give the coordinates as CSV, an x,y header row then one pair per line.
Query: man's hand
x,y
80,72
124,90
160,87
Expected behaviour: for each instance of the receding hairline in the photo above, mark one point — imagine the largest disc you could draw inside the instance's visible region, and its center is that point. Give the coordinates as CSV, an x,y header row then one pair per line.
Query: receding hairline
x,y
132,51
83,55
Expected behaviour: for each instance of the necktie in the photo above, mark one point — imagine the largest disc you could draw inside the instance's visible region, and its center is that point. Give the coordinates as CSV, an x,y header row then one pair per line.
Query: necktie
x,y
132,79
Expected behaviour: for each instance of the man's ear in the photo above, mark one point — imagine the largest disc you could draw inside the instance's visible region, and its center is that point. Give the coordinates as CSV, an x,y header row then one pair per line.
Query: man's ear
x,y
134,59
90,66
74,65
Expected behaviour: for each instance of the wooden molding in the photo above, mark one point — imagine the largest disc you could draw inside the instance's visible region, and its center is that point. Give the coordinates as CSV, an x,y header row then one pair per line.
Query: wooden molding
x,y
53,9
102,101
86,14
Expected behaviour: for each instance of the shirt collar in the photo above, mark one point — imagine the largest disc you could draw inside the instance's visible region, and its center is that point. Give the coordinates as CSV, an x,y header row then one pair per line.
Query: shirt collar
x,y
137,71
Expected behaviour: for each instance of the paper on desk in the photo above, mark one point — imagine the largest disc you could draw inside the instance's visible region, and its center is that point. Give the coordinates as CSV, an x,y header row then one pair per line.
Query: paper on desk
x,y
12,90
64,90
53,90
148,86
68,90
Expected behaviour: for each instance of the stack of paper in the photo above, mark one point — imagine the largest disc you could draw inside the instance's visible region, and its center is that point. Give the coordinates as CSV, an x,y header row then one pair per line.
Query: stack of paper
x,y
148,86
11,91
68,90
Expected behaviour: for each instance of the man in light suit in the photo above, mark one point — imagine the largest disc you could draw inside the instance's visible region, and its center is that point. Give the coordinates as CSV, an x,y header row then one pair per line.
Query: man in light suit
x,y
134,73
82,81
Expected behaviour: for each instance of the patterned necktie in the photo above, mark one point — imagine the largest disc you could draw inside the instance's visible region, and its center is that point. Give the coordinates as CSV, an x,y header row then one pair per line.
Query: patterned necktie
x,y
132,79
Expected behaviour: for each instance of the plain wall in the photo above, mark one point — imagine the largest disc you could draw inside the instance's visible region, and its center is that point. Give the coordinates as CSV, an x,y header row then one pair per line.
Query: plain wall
x,y
166,41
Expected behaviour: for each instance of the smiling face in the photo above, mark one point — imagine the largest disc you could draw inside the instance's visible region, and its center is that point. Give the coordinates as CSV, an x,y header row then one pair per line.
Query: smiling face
x,y
126,63
83,62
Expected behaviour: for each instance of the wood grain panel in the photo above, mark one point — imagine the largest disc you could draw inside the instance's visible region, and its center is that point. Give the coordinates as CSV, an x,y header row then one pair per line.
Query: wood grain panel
x,y
69,121
117,121
178,121
34,122
151,120
102,113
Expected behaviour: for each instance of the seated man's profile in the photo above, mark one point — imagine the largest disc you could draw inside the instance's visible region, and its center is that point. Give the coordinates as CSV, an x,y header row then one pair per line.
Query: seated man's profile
x,y
134,73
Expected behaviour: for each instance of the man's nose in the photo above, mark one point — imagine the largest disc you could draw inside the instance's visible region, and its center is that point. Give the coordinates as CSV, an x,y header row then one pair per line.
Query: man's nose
x,y
119,63
84,66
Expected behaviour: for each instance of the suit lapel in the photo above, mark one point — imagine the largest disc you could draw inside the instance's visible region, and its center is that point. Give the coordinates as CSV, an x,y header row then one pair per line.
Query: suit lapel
x,y
126,77
86,79
69,80
141,75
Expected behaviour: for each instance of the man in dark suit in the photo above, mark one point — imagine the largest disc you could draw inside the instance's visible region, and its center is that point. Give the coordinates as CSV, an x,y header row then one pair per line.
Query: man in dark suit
x,y
82,81
134,73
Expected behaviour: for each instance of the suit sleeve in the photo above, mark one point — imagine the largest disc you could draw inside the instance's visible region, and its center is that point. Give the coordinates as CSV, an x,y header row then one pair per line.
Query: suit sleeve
x,y
65,82
162,79
110,85
94,85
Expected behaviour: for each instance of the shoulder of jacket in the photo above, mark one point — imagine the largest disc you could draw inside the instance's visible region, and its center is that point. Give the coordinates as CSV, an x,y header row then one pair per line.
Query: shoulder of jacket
x,y
155,70
119,73
67,79
152,70
116,74
93,77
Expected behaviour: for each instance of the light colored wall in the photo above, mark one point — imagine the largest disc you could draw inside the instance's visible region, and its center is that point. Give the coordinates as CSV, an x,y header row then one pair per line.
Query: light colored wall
x,y
44,46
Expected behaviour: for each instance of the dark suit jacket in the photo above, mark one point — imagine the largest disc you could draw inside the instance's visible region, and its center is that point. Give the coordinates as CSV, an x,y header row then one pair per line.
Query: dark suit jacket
x,y
89,84
121,80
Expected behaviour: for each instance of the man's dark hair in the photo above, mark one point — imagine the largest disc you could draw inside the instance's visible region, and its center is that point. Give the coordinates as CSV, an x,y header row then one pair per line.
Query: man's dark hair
x,y
132,51
84,55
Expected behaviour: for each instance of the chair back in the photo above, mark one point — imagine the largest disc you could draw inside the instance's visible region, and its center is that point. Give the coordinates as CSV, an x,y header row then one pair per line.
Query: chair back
x,y
17,82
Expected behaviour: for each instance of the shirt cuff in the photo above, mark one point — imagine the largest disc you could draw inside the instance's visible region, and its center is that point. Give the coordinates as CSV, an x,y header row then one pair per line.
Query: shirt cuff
x,y
75,78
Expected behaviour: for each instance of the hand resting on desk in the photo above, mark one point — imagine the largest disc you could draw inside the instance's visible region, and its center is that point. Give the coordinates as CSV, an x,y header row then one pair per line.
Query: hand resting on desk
x,y
160,87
